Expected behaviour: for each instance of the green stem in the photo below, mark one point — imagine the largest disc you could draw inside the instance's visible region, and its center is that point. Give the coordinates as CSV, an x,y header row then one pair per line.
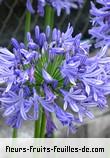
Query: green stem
x,y
37,128
49,16
14,133
40,125
49,20
43,125
27,25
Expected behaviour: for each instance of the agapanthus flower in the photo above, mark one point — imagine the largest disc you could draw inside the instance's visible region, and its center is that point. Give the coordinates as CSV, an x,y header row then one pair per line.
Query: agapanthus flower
x,y
58,5
100,30
53,66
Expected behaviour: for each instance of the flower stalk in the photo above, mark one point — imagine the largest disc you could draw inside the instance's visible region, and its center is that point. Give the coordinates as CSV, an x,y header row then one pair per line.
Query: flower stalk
x,y
14,133
40,125
49,16
27,25
37,128
43,125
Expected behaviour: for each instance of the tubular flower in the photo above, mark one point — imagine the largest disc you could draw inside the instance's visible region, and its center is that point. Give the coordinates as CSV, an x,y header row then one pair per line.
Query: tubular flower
x,y
58,5
53,66
100,23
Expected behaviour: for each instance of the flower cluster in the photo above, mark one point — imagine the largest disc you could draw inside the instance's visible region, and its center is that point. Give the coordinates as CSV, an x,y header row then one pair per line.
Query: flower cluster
x,y
53,66
101,23
58,5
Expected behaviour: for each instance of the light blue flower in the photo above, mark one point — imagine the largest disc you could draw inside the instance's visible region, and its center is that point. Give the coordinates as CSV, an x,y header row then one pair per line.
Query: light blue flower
x,y
58,5
100,23
50,67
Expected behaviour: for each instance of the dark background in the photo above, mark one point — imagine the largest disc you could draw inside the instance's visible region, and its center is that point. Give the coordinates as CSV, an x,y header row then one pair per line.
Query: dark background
x,y
12,20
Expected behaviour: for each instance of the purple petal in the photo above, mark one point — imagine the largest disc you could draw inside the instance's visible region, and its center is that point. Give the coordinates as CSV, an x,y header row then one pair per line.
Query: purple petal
x,y
47,76
90,115
9,111
78,97
73,106
29,6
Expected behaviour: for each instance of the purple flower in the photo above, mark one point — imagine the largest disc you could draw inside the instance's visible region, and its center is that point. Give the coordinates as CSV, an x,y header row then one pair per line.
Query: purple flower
x,y
91,72
15,121
7,76
78,101
29,6
48,78
6,58
48,94
66,118
50,126
58,5
47,104
100,23
53,66
71,97
18,107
